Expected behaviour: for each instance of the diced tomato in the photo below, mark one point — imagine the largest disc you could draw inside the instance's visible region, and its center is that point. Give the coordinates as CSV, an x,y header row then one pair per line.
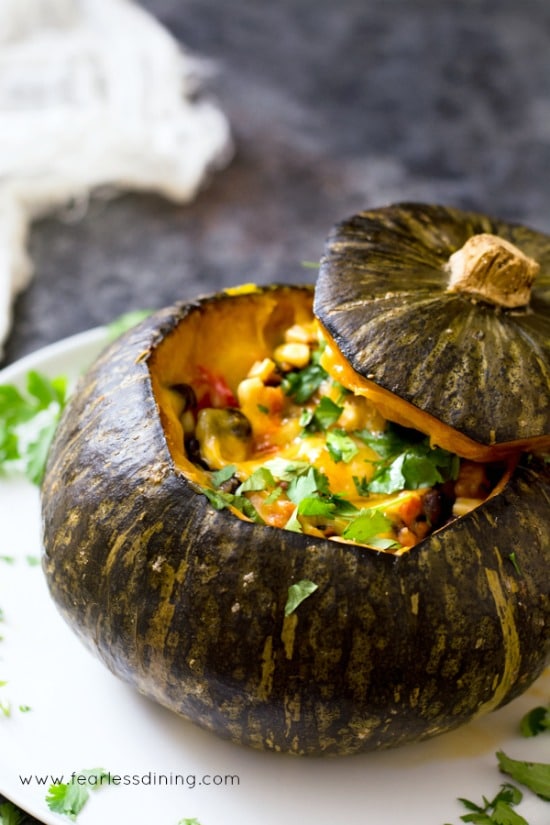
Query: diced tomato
x,y
212,390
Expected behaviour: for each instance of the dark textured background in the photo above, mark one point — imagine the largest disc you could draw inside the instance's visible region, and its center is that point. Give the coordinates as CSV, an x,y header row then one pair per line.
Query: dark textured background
x,y
334,106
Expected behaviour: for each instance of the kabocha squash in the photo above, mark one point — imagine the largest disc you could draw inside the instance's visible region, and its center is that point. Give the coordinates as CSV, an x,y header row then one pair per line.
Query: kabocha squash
x,y
155,560
438,307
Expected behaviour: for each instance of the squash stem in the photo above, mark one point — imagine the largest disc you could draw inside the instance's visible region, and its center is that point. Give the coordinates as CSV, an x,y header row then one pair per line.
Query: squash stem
x,y
493,270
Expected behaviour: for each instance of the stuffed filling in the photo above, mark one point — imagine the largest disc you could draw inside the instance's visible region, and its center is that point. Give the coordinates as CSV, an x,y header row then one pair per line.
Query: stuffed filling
x,y
286,445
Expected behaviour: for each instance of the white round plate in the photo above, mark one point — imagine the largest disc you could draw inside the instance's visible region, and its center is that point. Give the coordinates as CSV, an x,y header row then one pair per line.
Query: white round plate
x,y
82,717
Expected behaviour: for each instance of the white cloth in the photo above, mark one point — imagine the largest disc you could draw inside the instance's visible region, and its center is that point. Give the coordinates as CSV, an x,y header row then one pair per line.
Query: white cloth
x,y
93,93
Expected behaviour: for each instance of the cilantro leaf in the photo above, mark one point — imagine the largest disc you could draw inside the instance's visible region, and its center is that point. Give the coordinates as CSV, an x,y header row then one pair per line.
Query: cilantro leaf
x,y
390,442
322,417
424,466
367,526
388,478
534,775
361,486
302,384
497,811
314,506
286,470
293,524
297,593
536,721
341,446
28,422
307,484
418,466
219,477
261,479
221,501
67,798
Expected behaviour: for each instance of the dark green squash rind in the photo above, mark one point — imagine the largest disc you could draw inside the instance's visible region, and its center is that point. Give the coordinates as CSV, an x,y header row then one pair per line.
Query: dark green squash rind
x,y
187,603
381,294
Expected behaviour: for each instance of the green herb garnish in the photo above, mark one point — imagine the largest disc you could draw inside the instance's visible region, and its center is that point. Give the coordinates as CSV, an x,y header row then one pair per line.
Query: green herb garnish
x,y
341,446
322,417
261,479
28,422
536,721
497,811
220,501
69,798
534,775
219,477
302,384
367,527
297,593
419,465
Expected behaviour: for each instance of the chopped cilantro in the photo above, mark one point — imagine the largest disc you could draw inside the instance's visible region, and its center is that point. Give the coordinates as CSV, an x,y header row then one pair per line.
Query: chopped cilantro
x,y
388,478
220,501
219,477
367,527
261,479
32,561
300,385
28,422
286,470
294,524
389,443
418,466
274,495
536,721
361,485
297,593
341,446
534,775
307,484
497,811
322,417
69,798
314,506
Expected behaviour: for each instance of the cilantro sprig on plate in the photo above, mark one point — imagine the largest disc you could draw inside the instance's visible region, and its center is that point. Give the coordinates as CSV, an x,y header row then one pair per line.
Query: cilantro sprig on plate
x,y
69,798
29,416
28,420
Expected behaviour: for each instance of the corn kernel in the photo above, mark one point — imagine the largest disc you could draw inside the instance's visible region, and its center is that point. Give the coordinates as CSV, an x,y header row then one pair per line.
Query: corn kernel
x,y
293,355
262,369
302,334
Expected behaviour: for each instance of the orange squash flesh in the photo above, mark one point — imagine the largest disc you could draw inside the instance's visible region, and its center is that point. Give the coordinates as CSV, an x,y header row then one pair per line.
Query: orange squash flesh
x,y
403,412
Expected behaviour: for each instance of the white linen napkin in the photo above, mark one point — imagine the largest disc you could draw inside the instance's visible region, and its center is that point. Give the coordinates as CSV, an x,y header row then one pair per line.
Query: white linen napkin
x,y
93,93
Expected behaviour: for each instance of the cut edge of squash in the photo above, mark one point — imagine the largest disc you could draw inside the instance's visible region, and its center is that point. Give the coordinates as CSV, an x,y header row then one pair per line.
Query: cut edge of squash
x,y
402,412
